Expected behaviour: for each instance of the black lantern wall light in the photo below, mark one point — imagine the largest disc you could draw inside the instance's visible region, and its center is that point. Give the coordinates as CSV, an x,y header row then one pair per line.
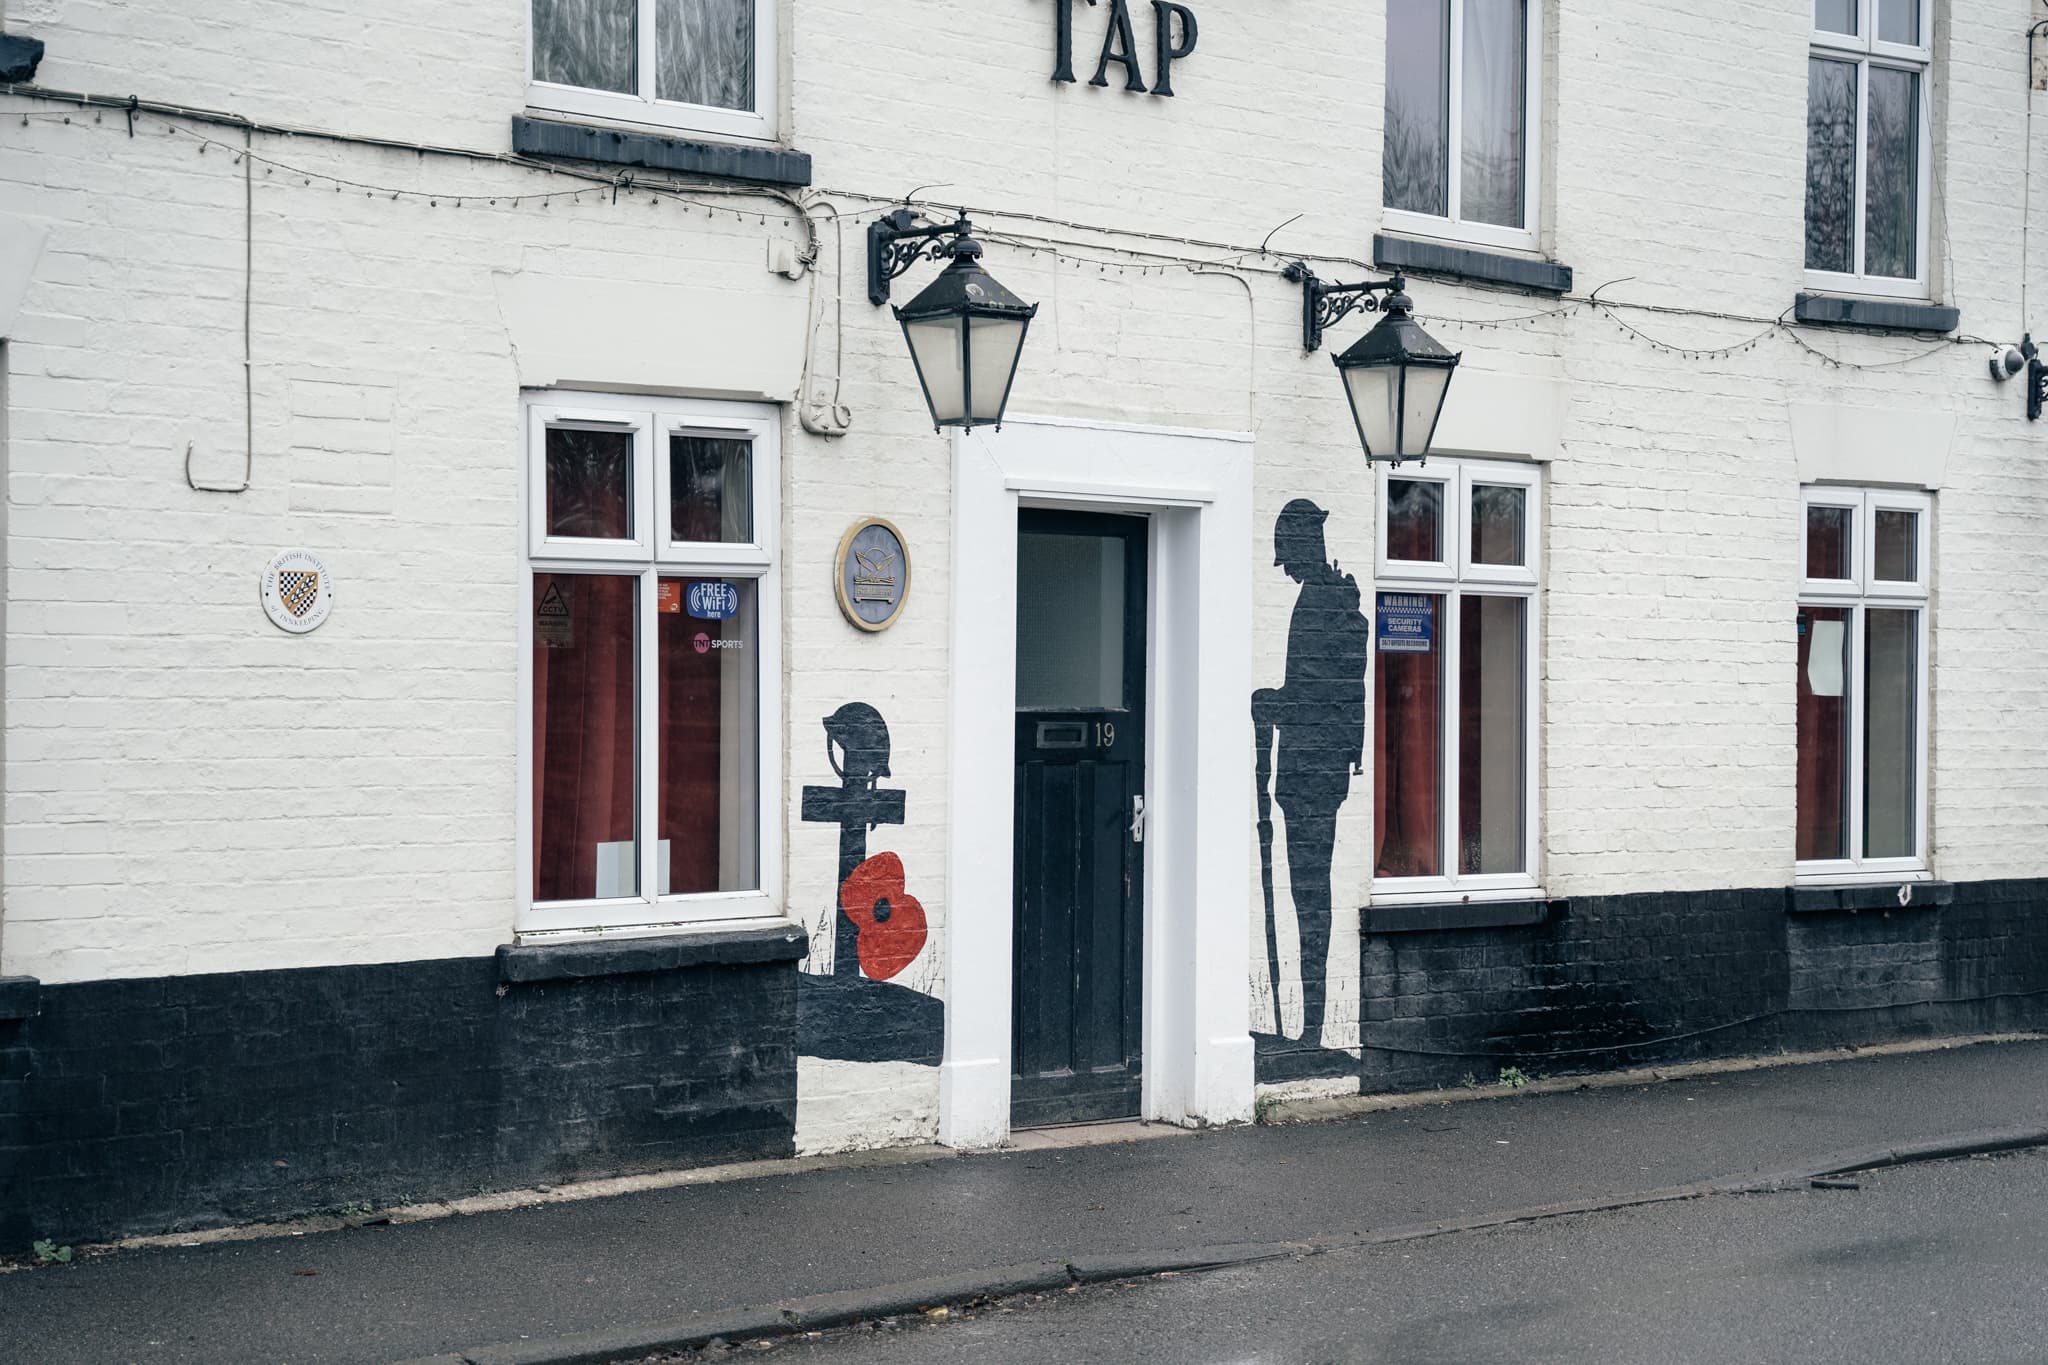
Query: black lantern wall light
x,y
965,331
1395,376
966,334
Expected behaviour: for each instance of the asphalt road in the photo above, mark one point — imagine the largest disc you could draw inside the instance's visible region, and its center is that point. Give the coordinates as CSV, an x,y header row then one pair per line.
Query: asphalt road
x,y
1931,1263
382,1294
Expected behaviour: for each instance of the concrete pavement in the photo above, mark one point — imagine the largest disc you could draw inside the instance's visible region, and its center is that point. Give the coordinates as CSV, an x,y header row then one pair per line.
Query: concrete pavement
x,y
608,1278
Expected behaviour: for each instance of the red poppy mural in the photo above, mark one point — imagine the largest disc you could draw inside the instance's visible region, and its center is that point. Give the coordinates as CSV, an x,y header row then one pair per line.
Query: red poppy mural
x,y
890,920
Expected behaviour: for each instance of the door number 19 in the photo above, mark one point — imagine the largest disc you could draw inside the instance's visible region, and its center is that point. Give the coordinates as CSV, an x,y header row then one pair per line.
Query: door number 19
x,y
1105,734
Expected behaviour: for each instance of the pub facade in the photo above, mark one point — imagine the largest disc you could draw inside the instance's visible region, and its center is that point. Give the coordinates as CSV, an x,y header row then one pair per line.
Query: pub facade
x,y
595,586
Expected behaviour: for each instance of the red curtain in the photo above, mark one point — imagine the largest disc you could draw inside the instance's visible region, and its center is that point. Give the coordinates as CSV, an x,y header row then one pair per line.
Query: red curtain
x,y
582,727
1823,724
692,706
1407,759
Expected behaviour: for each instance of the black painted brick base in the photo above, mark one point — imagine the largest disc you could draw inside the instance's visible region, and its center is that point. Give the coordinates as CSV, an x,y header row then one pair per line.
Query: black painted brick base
x,y
146,1105
1614,981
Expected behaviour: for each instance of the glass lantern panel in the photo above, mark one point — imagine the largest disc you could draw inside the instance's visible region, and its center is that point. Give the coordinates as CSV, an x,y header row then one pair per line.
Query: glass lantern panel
x,y
1371,389
992,347
1423,388
935,346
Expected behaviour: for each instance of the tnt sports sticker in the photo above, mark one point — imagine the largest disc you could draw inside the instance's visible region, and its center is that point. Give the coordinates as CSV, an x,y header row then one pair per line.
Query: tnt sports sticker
x,y
298,591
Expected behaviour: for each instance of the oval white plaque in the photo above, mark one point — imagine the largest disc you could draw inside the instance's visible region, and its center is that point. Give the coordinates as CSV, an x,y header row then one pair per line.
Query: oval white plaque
x,y
298,591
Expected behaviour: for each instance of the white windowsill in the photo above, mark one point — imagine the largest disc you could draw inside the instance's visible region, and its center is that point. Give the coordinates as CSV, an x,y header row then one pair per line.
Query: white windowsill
x,y
625,932
1825,879
1485,236
1391,893
631,114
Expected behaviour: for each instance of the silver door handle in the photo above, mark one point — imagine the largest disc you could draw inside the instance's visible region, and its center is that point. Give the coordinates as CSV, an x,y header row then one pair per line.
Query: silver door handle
x,y
1138,819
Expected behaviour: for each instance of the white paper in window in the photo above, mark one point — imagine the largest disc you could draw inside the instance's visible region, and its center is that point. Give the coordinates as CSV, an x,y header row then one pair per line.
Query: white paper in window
x,y
616,875
1824,659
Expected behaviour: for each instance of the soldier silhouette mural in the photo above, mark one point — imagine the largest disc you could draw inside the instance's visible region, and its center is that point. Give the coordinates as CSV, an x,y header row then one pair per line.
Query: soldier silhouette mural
x,y
856,1013
1310,733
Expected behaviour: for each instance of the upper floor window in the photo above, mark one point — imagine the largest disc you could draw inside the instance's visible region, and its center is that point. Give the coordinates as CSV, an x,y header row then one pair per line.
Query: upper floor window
x,y
703,65
1459,160
1867,140
1862,688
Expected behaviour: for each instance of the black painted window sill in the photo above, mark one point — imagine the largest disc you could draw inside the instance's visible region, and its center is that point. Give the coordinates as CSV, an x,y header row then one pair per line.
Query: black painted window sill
x,y
21,997
1823,900
585,959
1416,919
1470,263
561,137
1884,315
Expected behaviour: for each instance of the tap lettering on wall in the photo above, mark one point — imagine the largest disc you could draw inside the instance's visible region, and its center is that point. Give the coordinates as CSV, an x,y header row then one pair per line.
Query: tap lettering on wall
x,y
1173,37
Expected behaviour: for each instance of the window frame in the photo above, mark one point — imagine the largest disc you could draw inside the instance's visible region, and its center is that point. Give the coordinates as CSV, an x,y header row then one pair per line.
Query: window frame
x,y
1451,226
650,557
1454,578
1864,49
1858,595
756,125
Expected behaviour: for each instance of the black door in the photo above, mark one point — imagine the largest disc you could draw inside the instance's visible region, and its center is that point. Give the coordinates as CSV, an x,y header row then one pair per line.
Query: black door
x,y
1079,893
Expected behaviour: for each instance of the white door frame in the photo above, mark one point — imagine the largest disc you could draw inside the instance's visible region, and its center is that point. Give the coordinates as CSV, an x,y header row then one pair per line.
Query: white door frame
x,y
1197,488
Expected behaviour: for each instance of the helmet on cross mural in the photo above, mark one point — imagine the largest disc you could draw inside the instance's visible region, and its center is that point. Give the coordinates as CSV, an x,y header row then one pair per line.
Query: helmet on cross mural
x,y
857,742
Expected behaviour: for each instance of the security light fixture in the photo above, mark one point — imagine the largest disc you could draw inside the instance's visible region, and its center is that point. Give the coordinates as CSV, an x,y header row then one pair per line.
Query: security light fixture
x,y
1396,376
965,330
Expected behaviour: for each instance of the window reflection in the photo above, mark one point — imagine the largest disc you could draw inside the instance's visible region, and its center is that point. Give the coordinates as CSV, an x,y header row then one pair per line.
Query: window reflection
x,y
1490,156
704,52
711,481
590,484
1891,200
1415,169
1415,520
1828,532
1830,165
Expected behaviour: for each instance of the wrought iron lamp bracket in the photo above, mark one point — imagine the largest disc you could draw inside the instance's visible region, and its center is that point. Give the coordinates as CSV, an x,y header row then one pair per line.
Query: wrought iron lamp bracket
x,y
896,243
1324,305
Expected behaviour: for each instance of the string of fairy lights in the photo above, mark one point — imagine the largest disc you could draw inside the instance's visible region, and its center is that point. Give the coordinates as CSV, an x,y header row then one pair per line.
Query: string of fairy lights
x,y
1148,254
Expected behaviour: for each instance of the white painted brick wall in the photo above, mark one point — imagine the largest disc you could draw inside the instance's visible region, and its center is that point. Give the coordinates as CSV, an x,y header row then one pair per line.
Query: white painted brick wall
x,y
188,790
